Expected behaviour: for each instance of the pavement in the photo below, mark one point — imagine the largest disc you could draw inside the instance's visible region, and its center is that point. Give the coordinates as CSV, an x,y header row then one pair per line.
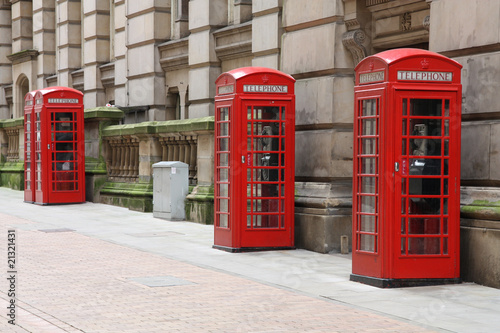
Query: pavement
x,y
100,268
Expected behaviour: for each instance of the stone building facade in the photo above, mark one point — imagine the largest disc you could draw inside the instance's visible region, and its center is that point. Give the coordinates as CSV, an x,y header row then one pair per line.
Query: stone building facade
x,y
157,61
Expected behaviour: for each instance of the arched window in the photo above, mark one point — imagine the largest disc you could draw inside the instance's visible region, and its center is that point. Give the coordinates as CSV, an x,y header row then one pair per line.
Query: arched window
x,y
22,88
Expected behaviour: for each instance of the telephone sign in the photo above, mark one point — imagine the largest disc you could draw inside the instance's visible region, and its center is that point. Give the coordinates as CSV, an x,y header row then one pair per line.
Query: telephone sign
x,y
254,160
406,185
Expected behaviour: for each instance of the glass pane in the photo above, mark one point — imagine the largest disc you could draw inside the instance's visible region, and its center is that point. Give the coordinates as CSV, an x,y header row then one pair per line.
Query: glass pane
x,y
224,205
369,127
426,107
368,146
224,190
224,129
445,226
269,190
445,245
367,243
403,147
266,206
64,116
368,204
223,220
425,186
403,226
404,127
266,112
424,226
367,223
420,245
266,221
425,127
223,114
424,206
369,107
368,165
224,144
403,246
405,106
369,185
446,108
283,113
224,159
425,147
425,166
223,175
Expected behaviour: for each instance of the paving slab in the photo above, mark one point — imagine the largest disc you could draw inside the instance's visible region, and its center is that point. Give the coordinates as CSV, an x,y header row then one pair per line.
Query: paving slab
x,y
99,263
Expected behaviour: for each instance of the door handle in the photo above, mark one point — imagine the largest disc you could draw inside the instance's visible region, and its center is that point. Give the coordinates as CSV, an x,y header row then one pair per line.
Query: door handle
x,y
396,166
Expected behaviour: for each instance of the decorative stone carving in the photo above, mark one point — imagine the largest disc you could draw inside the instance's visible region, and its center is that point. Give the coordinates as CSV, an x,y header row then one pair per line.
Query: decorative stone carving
x,y
427,22
353,41
406,22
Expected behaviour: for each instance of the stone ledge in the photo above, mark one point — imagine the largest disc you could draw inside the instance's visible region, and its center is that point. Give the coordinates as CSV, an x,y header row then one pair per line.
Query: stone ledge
x,y
7,123
480,203
205,124
103,112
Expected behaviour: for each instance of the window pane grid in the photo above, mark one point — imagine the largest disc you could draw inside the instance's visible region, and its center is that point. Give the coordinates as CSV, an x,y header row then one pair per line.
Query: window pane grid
x,y
424,199
367,168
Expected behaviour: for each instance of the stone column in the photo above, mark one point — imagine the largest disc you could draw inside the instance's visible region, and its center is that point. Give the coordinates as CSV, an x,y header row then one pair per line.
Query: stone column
x,y
204,17
96,49
68,36
149,153
324,120
119,53
146,80
267,33
5,64
22,25
44,36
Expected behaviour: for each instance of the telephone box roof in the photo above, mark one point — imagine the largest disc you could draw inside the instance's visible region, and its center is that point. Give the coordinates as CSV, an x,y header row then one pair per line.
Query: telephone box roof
x,y
391,57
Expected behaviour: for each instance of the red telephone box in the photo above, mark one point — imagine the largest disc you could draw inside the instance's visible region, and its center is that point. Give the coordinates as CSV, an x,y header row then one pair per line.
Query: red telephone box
x,y
29,175
254,160
406,180
58,147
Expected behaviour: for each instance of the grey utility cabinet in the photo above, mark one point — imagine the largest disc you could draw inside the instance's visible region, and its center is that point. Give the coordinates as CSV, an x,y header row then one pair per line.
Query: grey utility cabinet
x,y
170,188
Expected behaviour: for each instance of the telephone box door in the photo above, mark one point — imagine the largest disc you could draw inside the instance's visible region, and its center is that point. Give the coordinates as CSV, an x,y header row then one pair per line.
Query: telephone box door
x,y
427,171
269,184
29,174
369,232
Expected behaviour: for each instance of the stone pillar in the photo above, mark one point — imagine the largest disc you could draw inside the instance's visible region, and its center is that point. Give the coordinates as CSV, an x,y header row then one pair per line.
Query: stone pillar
x,y
44,36
149,153
5,64
146,80
267,33
22,25
96,49
68,36
204,17
119,53
324,120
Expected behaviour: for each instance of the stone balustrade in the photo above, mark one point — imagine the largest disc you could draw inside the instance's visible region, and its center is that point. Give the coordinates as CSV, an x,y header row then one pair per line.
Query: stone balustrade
x,y
11,153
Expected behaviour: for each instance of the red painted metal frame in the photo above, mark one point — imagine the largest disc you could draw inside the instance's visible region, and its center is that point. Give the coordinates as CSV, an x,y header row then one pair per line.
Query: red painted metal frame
x,y
409,244
58,146
254,201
